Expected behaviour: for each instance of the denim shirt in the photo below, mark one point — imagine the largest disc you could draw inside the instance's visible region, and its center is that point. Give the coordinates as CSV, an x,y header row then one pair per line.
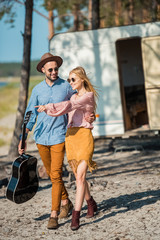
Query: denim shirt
x,y
49,130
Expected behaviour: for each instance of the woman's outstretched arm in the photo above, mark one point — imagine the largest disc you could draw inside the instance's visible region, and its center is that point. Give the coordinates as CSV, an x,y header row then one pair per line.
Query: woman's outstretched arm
x,y
61,108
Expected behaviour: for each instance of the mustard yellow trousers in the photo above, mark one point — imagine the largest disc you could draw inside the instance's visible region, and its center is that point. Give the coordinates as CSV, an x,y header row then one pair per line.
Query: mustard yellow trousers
x,y
52,158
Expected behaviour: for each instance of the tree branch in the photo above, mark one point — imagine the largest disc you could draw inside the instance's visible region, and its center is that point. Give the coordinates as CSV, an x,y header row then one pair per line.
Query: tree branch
x,y
33,10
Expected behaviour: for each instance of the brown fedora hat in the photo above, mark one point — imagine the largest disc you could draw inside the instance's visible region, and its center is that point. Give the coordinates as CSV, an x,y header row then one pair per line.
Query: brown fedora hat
x,y
48,57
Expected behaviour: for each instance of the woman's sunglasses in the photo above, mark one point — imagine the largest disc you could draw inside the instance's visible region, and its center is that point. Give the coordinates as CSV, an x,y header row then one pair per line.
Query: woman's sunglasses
x,y
71,80
51,69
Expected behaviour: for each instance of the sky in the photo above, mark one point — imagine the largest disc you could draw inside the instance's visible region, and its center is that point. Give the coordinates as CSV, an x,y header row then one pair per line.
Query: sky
x,y
11,40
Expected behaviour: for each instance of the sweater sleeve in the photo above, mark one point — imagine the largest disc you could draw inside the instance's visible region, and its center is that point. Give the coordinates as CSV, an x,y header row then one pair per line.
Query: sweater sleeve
x,y
61,108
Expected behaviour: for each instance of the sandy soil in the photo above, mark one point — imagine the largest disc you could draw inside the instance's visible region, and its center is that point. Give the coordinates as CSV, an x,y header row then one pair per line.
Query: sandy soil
x,y
125,186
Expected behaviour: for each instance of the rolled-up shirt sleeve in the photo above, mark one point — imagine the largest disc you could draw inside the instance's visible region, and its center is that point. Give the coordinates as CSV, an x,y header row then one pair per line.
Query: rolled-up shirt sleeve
x,y
32,102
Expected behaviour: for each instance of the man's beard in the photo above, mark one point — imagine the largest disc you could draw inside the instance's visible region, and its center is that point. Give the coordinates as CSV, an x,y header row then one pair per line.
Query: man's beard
x,y
52,80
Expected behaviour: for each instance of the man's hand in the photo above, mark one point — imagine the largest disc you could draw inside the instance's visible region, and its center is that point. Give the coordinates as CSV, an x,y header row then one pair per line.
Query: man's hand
x,y
41,108
21,151
91,118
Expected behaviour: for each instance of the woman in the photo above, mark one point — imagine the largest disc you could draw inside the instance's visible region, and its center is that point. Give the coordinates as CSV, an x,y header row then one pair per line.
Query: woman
x,y
79,140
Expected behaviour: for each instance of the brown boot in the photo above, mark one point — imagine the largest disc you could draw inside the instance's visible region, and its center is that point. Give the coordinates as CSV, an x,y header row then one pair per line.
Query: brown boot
x,y
92,207
65,210
52,223
75,220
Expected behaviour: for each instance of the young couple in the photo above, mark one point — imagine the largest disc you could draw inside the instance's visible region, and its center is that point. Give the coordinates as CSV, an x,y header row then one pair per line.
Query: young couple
x,y
55,104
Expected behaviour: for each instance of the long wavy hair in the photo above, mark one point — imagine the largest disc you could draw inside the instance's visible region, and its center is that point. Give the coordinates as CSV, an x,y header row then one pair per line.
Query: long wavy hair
x,y
81,73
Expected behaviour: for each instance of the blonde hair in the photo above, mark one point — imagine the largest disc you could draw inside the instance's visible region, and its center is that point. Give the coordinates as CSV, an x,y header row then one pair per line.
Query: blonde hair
x,y
81,73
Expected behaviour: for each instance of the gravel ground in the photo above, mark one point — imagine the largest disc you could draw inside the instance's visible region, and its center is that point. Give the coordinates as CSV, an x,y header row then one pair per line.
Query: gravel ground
x,y
125,186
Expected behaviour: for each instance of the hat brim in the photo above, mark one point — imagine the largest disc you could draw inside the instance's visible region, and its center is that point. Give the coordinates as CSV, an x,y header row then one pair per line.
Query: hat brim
x,y
57,59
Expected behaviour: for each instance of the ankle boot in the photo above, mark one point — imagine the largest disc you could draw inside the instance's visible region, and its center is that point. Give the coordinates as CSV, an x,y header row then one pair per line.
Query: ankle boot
x,y
75,220
92,207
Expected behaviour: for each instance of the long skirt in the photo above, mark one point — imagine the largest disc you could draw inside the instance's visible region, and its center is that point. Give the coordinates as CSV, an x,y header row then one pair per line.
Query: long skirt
x,y
80,146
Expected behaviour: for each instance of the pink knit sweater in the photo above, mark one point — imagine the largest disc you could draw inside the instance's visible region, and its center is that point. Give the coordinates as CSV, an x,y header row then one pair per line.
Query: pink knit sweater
x,y
77,108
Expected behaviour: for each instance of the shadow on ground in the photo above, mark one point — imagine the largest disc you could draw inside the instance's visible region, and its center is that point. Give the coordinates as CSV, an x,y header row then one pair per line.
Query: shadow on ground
x,y
124,203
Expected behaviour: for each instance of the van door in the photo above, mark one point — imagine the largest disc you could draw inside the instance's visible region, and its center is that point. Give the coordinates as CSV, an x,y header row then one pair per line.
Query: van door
x,y
131,77
151,65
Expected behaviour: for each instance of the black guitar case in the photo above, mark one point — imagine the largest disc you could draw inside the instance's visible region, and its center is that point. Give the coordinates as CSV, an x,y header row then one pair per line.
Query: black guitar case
x,y
23,183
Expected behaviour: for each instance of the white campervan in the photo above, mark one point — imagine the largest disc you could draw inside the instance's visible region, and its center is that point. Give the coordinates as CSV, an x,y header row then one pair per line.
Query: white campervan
x,y
124,63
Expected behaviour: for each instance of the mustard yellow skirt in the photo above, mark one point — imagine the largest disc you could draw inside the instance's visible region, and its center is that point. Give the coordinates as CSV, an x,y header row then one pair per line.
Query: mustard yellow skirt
x,y
80,146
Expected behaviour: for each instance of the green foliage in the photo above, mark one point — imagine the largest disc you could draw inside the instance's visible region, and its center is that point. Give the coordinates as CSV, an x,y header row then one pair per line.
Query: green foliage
x,y
130,12
63,6
6,8
60,5
14,69
66,11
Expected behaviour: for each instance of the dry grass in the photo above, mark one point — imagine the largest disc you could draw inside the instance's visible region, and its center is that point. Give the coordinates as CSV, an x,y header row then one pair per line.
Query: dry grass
x,y
9,94
2,142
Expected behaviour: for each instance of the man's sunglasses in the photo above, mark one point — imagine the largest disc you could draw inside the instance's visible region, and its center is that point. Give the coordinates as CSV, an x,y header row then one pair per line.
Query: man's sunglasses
x,y
71,80
51,69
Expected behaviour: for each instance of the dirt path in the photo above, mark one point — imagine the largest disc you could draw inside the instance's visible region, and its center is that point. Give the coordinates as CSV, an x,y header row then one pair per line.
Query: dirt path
x,y
125,186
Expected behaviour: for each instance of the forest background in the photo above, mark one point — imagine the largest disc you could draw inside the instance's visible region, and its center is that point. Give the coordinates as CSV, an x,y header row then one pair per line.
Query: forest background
x,y
71,15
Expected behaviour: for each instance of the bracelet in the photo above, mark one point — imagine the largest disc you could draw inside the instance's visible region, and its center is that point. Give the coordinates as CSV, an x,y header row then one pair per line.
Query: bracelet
x,y
20,137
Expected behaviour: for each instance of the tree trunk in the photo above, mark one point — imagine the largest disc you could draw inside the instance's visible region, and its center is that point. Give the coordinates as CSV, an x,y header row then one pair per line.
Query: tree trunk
x,y
154,10
95,20
25,73
90,14
117,12
93,14
81,22
50,25
131,11
158,12
76,17
50,20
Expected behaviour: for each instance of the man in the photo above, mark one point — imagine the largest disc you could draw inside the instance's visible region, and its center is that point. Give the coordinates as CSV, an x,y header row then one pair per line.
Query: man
x,y
50,132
